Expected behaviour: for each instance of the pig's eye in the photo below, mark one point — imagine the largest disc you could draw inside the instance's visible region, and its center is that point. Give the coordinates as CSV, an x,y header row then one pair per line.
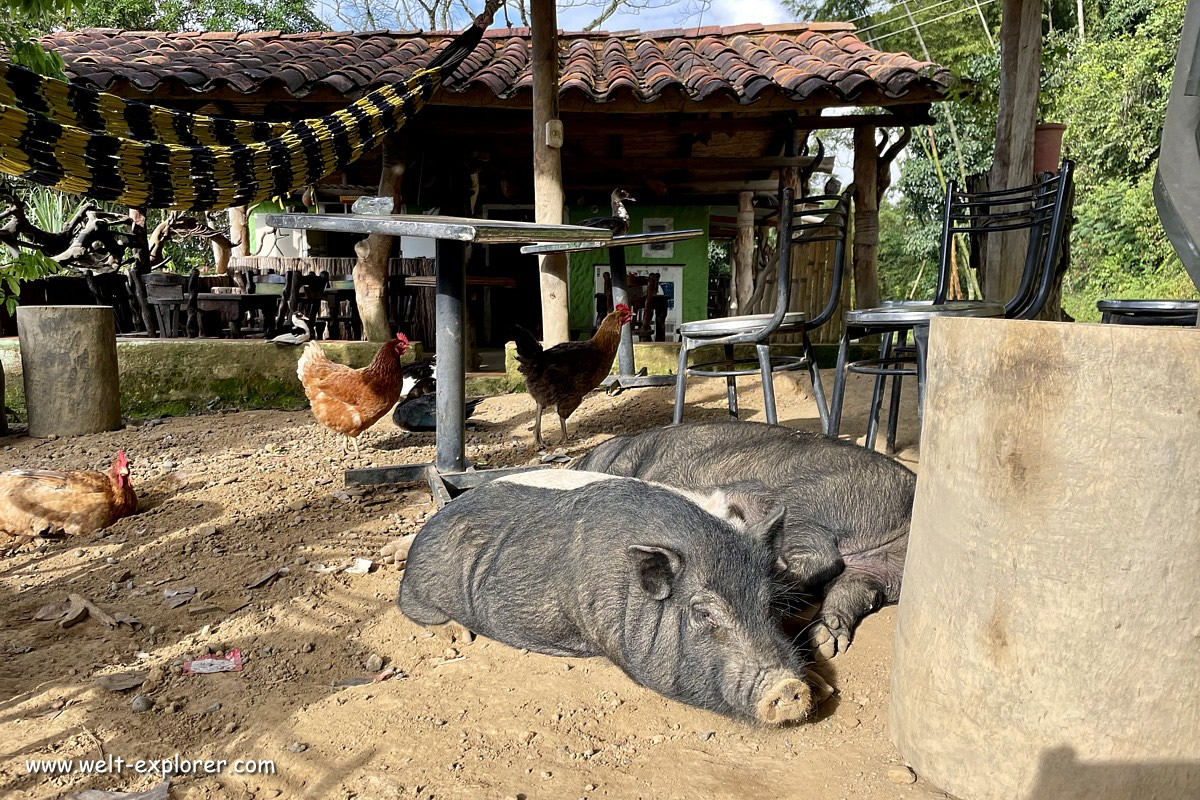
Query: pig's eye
x,y
705,617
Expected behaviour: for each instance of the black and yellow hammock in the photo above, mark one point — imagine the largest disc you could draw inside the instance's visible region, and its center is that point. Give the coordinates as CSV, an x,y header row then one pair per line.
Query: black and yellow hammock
x,y
81,141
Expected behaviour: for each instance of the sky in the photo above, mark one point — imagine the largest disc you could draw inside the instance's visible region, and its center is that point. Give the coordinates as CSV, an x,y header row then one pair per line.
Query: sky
x,y
679,15
669,14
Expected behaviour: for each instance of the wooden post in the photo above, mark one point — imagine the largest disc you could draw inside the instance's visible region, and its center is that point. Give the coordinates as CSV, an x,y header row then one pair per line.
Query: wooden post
x,y
374,252
743,256
1007,488
1020,69
547,168
69,363
866,218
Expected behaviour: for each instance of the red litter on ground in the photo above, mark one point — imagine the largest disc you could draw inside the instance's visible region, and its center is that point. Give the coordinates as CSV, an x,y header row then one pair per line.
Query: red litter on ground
x,y
230,662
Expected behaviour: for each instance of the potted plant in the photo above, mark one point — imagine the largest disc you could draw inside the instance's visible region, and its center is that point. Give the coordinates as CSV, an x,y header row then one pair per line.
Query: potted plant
x,y
1047,147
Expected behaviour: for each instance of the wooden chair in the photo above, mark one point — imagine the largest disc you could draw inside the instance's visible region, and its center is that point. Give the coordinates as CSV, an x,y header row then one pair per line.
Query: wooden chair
x,y
167,294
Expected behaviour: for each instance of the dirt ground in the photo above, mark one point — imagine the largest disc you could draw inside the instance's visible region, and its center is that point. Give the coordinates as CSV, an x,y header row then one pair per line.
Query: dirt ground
x,y
227,498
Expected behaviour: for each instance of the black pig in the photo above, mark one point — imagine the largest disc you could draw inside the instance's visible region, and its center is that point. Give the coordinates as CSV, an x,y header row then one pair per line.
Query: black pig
x,y
848,508
576,564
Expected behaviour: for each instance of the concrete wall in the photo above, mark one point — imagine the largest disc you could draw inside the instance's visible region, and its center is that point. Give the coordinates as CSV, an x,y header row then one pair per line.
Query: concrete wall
x,y
187,377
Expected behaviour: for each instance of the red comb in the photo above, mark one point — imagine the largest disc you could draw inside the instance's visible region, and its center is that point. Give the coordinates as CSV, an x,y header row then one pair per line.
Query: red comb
x,y
122,460
622,307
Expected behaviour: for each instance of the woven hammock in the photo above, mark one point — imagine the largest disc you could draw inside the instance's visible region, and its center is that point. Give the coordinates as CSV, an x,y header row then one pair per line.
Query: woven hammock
x,y
81,141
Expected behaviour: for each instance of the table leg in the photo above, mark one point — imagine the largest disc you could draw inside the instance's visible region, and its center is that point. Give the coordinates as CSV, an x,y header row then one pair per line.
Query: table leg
x,y
451,268
487,315
620,291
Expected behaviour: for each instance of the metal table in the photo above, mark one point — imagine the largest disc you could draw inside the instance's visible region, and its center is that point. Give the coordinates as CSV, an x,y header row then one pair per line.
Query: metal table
x,y
453,234
626,378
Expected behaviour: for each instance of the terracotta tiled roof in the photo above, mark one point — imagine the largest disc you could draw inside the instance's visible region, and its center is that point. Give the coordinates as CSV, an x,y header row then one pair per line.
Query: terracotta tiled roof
x,y
799,61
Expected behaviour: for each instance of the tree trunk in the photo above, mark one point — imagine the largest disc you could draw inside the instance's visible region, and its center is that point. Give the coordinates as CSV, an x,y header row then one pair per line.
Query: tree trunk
x,y
743,256
374,252
1020,69
547,169
866,218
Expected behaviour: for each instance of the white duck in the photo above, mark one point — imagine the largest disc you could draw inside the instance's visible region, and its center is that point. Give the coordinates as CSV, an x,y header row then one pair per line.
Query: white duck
x,y
300,334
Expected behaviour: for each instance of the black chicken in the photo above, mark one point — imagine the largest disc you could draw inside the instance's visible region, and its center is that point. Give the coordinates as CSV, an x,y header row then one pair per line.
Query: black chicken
x,y
417,412
618,223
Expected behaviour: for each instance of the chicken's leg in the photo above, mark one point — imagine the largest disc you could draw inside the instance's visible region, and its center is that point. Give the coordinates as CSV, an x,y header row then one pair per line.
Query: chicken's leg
x,y
537,428
562,421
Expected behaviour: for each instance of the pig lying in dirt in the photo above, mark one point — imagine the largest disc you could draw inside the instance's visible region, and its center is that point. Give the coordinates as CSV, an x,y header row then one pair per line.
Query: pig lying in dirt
x,y
576,564
848,508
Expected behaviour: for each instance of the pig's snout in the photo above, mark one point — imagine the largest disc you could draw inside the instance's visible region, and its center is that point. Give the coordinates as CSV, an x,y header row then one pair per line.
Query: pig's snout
x,y
786,700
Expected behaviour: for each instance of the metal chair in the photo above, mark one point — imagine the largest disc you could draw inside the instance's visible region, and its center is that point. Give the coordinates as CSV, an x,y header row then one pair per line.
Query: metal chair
x,y
1148,312
796,227
1040,208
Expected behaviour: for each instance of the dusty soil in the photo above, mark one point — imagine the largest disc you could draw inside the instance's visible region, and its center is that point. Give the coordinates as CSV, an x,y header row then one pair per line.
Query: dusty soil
x,y
226,498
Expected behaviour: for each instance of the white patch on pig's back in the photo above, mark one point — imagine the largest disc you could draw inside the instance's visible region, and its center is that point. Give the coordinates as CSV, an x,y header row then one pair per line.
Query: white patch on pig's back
x,y
560,479
715,502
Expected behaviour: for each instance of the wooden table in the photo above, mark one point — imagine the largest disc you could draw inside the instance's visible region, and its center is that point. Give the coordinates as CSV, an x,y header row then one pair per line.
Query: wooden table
x,y
450,467
232,307
626,377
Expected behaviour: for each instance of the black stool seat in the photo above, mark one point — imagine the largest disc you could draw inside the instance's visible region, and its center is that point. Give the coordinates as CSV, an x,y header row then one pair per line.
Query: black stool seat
x,y
1148,312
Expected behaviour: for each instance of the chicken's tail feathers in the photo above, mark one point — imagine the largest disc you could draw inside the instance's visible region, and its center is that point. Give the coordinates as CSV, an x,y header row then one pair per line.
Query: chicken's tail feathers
x,y
472,404
528,346
312,354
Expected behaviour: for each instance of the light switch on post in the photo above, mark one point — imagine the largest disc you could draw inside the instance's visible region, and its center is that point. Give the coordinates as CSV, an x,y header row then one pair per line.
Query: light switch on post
x,y
554,133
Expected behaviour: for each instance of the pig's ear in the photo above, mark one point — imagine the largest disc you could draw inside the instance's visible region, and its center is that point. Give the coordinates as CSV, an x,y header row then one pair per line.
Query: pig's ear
x,y
655,568
769,530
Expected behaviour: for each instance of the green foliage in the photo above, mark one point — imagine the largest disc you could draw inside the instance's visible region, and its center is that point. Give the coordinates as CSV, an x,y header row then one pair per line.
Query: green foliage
x,y
289,16
48,210
1111,92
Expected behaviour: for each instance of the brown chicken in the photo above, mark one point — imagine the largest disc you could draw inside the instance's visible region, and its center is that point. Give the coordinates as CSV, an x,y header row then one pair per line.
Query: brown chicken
x,y
78,501
560,377
347,400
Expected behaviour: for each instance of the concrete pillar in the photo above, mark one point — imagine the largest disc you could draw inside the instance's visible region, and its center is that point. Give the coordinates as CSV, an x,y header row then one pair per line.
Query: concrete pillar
x,y
69,360
1048,636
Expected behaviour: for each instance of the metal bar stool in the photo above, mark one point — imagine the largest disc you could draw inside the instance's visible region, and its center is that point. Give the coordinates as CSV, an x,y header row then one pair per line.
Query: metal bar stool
x,y
1040,208
1148,312
796,227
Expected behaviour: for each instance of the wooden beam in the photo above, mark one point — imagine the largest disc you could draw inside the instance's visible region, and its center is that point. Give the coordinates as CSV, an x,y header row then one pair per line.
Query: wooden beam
x,y
693,187
547,168
866,219
1020,71
698,164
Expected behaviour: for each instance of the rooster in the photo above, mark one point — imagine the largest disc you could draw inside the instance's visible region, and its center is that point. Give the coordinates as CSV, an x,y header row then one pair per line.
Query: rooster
x,y
348,401
74,502
561,376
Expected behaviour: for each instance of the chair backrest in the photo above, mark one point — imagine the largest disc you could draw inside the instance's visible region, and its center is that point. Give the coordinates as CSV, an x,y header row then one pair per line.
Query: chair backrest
x,y
1040,208
809,220
828,222
164,285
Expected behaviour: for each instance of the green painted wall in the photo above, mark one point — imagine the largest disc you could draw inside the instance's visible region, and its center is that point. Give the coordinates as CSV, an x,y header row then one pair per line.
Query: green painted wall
x,y
693,254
